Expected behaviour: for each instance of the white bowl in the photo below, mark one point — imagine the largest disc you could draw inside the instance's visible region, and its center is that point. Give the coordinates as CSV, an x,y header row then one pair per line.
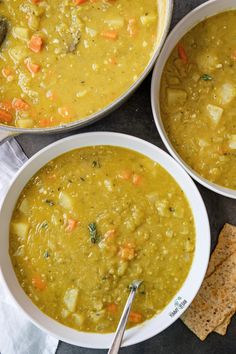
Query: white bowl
x,y
184,296
208,9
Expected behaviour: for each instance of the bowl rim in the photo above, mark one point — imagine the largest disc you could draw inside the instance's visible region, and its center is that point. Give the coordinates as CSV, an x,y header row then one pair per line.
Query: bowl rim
x,y
183,27
79,123
182,298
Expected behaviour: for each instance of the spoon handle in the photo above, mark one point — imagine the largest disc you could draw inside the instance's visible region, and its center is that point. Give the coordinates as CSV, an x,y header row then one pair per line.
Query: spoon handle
x,y
122,324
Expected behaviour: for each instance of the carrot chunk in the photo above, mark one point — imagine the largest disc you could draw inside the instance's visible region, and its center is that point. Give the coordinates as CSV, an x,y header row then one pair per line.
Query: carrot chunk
x,y
127,252
33,68
110,235
6,105
38,282
79,2
234,55
43,123
5,117
36,43
182,54
20,104
126,175
6,72
112,308
135,317
110,34
71,225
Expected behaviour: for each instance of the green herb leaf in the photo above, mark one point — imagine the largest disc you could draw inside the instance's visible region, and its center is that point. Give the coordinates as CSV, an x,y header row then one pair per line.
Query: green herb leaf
x,y
206,77
93,232
49,202
96,164
44,225
46,254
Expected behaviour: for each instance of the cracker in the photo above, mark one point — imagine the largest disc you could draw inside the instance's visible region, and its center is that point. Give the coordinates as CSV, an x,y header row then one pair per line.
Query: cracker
x,y
222,328
215,302
220,286
202,317
225,247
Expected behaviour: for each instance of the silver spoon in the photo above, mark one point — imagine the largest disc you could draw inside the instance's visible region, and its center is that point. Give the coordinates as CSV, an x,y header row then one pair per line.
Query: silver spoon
x,y
114,349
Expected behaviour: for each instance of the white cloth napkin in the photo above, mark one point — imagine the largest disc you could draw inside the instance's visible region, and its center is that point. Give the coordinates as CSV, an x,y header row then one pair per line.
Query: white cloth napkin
x,y
17,334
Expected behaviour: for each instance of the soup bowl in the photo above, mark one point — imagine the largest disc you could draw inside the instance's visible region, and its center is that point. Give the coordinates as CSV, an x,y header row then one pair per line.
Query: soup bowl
x,y
164,8
183,297
208,9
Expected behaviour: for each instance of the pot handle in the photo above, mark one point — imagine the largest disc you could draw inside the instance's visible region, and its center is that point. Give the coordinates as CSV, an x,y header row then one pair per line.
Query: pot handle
x,y
5,135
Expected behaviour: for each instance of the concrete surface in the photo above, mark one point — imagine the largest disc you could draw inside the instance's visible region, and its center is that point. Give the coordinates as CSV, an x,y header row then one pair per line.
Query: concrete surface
x,y
135,117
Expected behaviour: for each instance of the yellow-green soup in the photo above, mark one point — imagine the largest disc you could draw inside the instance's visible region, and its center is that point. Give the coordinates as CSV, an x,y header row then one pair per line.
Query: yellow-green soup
x,y
198,99
62,60
92,221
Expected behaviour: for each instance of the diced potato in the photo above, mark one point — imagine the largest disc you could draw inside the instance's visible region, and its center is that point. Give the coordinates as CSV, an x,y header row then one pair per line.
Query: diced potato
x,y
20,229
203,143
66,201
173,80
96,316
179,212
152,197
33,22
17,53
79,319
176,96
81,93
21,33
189,247
215,113
20,252
207,62
227,93
115,22
92,32
30,8
98,305
196,77
184,230
65,313
70,299
122,268
24,207
25,123
232,142
148,19
108,185
162,207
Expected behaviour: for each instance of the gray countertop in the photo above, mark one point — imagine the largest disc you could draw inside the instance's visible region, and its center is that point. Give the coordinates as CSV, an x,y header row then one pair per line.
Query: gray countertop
x,y
135,117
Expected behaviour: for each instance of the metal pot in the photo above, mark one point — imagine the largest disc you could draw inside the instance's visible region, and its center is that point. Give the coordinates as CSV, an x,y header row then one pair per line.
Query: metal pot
x,y
165,8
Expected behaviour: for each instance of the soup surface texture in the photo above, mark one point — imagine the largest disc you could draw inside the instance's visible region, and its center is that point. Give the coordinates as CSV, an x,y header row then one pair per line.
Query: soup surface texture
x,y
63,60
198,99
92,221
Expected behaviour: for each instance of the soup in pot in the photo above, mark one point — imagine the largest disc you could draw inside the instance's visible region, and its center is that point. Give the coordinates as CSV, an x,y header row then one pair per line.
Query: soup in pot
x,y
61,61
